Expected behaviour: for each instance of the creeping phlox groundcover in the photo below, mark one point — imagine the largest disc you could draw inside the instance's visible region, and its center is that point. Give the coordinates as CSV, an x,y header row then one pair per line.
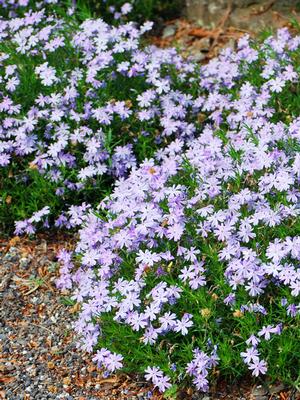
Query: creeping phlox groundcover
x,y
81,105
189,269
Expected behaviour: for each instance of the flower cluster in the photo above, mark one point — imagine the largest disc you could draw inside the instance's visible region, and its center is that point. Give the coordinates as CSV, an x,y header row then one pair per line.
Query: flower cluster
x,y
199,367
80,127
108,360
81,103
121,11
200,245
194,256
28,225
251,355
159,380
13,5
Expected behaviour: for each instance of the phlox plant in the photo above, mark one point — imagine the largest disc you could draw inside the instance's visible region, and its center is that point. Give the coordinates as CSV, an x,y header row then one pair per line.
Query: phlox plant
x,y
17,8
136,10
189,270
82,103
112,11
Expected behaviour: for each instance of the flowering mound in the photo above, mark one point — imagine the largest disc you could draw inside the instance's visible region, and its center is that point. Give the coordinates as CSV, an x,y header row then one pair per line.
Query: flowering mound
x,y
190,269
81,104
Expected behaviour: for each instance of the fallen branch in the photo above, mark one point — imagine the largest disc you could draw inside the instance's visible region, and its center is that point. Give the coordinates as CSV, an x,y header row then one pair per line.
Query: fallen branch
x,y
263,9
221,25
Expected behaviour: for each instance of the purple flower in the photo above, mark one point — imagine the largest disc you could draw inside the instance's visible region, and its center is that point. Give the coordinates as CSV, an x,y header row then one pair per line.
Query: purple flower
x,y
250,354
258,367
267,330
113,362
162,382
183,324
253,340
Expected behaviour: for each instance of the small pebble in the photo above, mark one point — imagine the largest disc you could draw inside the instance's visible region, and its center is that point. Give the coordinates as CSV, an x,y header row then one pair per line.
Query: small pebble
x,y
169,31
23,262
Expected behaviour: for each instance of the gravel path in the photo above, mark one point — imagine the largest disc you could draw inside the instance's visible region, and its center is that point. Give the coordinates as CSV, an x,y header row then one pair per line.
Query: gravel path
x,y
38,355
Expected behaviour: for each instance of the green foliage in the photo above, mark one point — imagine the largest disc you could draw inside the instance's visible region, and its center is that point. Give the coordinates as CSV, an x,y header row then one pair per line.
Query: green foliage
x,y
142,9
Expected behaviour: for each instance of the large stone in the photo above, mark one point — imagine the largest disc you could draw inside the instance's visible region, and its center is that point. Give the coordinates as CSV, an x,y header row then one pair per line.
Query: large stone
x,y
244,14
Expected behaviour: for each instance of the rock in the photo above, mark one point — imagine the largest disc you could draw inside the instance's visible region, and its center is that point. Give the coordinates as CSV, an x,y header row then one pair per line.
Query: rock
x,y
276,389
24,262
11,257
169,31
252,15
35,300
229,45
9,367
202,44
260,393
198,56
198,396
5,282
5,349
